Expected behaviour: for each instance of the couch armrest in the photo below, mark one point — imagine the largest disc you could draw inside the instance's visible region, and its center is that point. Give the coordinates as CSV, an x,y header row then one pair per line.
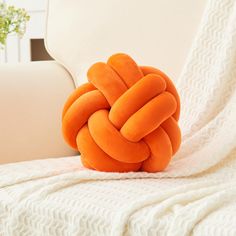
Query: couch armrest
x,y
31,100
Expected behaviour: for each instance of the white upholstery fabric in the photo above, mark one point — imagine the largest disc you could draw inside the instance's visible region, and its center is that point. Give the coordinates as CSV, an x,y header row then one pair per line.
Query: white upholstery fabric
x,y
31,100
154,32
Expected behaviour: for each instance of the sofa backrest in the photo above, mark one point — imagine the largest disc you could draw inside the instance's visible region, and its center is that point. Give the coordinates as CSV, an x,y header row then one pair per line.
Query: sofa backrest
x,y
154,32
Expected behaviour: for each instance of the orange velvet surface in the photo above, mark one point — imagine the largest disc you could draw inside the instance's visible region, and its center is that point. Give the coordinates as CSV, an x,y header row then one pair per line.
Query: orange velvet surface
x,y
125,118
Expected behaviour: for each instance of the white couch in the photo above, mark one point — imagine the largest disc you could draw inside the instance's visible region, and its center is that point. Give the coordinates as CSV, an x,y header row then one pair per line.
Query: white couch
x,y
57,196
79,33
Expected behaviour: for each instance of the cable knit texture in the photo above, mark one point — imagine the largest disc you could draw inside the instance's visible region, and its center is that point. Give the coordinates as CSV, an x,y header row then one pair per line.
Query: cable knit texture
x,y
195,195
125,119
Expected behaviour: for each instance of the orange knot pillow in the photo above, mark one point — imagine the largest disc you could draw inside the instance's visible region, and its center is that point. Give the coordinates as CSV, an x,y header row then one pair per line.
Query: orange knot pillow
x,y
125,118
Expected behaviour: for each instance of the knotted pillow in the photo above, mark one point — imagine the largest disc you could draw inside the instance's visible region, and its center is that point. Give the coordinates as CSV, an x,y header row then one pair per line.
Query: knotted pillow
x,y
125,118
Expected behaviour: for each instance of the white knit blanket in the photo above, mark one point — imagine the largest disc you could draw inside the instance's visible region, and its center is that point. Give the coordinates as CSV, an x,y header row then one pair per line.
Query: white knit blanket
x,y
196,195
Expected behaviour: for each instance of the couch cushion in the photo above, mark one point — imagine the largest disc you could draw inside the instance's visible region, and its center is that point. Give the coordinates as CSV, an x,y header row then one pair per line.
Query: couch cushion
x,y
159,33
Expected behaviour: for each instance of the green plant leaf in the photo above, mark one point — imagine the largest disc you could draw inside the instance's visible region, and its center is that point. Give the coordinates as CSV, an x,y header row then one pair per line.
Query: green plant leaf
x,y
12,20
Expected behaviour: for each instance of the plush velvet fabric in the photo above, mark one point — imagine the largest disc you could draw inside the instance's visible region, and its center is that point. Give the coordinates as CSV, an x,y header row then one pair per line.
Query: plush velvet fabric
x,y
125,118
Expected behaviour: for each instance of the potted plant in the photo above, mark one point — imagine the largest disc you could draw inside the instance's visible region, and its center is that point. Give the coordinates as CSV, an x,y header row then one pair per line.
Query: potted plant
x,y
12,20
